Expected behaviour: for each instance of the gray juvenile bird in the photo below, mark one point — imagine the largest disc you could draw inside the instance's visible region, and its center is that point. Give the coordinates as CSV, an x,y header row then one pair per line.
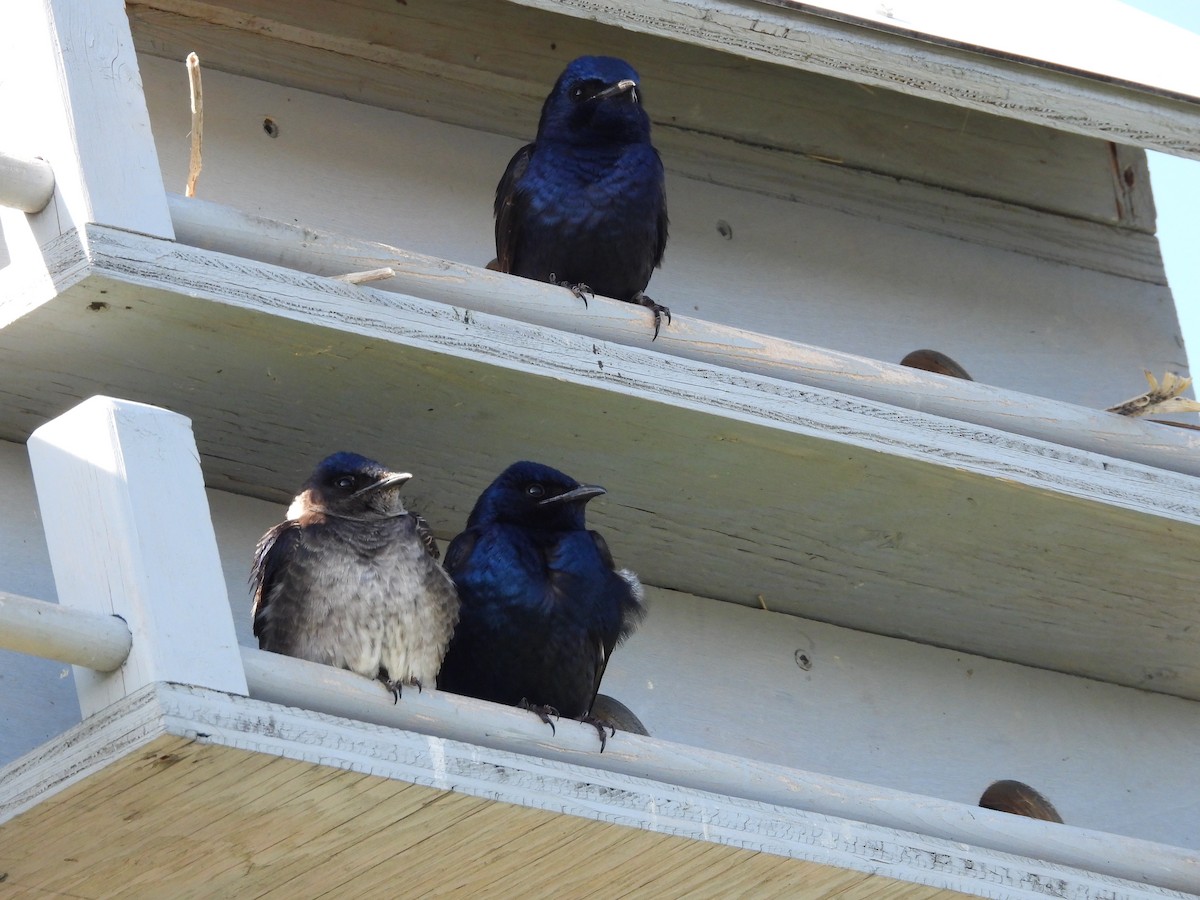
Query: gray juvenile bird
x,y
351,578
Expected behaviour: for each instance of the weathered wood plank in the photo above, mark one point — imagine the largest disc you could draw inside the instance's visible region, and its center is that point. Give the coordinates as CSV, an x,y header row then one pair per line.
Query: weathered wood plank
x,y
795,36
818,133
1110,38
313,250
129,534
837,508
789,842
69,72
789,269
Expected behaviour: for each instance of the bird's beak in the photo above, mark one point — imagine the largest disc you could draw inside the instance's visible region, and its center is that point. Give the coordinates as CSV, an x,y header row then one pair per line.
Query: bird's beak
x,y
582,494
392,479
626,84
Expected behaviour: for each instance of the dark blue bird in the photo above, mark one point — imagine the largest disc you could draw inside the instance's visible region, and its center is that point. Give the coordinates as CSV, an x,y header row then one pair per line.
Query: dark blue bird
x,y
585,204
351,578
543,605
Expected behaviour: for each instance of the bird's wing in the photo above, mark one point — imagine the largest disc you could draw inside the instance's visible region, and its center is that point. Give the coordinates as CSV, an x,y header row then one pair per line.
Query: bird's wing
x,y
633,608
633,605
270,559
510,209
425,533
602,548
660,246
459,552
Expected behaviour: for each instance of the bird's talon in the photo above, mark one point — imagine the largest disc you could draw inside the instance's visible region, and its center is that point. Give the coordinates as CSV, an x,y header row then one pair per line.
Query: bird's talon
x,y
543,712
580,290
393,689
600,724
657,308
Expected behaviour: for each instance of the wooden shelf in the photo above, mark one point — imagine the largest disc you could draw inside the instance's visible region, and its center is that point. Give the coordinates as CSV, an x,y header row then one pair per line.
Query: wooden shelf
x,y
178,786
724,484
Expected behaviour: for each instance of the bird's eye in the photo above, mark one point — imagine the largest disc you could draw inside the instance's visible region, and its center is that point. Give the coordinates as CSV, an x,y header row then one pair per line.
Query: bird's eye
x,y
536,491
344,483
577,93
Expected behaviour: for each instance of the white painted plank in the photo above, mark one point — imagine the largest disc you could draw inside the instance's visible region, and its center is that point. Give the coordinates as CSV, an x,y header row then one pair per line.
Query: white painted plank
x,y
822,270
309,249
129,533
721,677
795,36
69,74
62,633
774,809
898,714
850,511
1108,38
746,123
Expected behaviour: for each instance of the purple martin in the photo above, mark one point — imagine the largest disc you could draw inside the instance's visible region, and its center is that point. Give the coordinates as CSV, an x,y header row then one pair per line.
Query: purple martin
x,y
585,204
1020,799
935,361
543,604
351,578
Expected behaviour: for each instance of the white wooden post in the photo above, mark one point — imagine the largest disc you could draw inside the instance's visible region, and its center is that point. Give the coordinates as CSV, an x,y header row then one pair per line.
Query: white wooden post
x,y
129,532
72,95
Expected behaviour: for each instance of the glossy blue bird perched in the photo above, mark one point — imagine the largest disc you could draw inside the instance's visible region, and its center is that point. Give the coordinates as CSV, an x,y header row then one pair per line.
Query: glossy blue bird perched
x,y
585,204
351,579
543,605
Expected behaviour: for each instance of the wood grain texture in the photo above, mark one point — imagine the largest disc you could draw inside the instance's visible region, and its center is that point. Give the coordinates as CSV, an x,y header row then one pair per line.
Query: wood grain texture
x,y
1109,37
797,270
730,109
849,511
70,74
911,64
283,786
320,252
129,534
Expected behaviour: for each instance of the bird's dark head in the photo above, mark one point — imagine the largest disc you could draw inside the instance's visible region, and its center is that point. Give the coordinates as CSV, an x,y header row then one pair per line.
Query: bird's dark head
x,y
534,496
349,486
596,97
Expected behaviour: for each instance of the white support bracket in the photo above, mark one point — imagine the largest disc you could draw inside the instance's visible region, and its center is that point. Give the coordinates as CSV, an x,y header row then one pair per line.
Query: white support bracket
x,y
129,533
70,86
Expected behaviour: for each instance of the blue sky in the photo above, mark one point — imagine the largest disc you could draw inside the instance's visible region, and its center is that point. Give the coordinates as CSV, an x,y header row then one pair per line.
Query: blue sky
x,y
1176,185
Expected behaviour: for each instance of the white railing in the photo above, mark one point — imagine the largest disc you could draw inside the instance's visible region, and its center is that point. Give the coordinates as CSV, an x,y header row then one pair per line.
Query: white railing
x,y
25,184
131,541
60,633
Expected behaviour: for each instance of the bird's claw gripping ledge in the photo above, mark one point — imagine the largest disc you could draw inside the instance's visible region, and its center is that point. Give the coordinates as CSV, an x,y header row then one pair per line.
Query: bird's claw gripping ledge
x,y
580,290
395,687
541,711
657,308
600,724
